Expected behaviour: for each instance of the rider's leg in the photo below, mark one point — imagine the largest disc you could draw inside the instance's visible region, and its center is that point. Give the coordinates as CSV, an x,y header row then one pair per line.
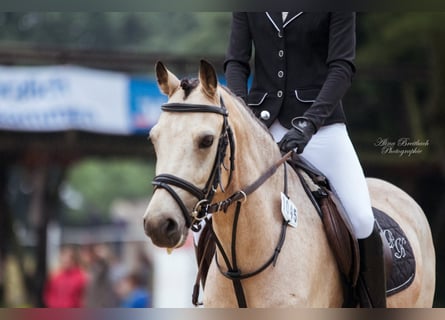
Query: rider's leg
x,y
331,151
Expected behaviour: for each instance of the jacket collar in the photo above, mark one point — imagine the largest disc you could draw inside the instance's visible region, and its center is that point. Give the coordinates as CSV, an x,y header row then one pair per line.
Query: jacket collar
x,y
276,19
291,16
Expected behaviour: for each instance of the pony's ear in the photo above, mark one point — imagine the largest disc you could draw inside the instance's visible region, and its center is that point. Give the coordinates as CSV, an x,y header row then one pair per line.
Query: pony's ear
x,y
167,81
208,79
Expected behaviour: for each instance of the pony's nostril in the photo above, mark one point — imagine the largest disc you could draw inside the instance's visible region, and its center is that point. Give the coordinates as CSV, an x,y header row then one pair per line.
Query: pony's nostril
x,y
170,227
163,231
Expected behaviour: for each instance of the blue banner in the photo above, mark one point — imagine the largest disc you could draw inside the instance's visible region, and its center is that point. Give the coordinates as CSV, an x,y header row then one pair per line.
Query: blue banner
x,y
58,98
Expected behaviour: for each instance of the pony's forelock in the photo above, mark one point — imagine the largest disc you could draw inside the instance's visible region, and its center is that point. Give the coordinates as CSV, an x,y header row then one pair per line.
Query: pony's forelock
x,y
188,85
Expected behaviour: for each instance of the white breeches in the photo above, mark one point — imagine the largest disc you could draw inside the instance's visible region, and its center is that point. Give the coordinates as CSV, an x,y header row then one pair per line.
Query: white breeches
x,y
331,151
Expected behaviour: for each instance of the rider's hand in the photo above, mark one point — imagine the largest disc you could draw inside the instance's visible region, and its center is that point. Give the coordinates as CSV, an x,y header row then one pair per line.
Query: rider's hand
x,y
298,136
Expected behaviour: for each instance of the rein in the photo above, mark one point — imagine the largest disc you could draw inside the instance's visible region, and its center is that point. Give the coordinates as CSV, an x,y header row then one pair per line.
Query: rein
x,y
233,272
204,206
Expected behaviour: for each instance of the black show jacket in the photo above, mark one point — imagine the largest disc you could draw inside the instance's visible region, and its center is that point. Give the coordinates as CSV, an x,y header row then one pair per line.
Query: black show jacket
x,y
302,66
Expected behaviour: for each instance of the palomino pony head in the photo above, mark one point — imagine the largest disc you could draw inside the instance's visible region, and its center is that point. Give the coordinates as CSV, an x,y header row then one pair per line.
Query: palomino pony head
x,y
188,142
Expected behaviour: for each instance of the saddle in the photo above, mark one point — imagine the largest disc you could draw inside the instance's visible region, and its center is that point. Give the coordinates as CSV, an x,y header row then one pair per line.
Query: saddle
x,y
338,228
398,254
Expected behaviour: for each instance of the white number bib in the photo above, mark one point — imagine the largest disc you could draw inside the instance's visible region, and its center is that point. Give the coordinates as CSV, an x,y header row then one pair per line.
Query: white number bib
x,y
289,210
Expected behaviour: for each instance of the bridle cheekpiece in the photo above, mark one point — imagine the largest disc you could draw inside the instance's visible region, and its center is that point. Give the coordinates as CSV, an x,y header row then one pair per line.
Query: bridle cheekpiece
x,y
204,195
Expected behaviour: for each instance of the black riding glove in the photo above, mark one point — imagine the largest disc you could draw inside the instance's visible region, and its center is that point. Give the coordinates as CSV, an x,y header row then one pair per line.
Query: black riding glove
x,y
298,136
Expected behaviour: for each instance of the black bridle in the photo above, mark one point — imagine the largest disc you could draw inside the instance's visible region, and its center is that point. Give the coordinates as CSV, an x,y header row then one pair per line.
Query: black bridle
x,y
205,195
204,206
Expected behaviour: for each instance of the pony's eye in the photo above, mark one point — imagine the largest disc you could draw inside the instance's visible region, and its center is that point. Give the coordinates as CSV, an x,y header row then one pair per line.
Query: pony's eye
x,y
206,141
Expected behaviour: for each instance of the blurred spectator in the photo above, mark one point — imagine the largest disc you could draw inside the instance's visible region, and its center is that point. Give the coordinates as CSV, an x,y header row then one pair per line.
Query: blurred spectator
x,y
117,268
143,266
65,288
132,292
99,292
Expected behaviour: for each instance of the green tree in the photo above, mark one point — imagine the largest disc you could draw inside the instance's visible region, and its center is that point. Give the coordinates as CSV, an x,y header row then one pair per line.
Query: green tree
x,y
100,182
160,32
412,44
412,40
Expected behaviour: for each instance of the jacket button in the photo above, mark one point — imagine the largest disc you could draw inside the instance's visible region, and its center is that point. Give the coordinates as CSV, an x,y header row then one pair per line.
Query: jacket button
x,y
280,34
280,74
279,93
281,53
265,115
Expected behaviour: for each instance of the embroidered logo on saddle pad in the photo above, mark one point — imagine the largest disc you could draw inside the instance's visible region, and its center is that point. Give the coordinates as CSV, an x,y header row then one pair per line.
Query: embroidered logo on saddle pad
x,y
403,261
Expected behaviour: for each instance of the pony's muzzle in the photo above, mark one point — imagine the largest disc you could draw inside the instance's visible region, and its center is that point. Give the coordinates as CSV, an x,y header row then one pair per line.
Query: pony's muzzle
x,y
164,230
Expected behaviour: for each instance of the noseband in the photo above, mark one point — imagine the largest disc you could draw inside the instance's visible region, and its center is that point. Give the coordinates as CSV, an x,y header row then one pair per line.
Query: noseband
x,y
205,195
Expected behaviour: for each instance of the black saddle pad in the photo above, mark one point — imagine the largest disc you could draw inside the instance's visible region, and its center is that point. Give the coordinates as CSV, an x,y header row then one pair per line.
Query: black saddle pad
x,y
403,261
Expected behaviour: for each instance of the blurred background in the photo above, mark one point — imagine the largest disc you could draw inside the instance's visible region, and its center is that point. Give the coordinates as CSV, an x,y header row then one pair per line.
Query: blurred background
x,y
75,179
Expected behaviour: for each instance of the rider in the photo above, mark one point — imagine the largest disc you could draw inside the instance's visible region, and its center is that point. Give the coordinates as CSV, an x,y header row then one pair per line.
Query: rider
x,y
303,66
